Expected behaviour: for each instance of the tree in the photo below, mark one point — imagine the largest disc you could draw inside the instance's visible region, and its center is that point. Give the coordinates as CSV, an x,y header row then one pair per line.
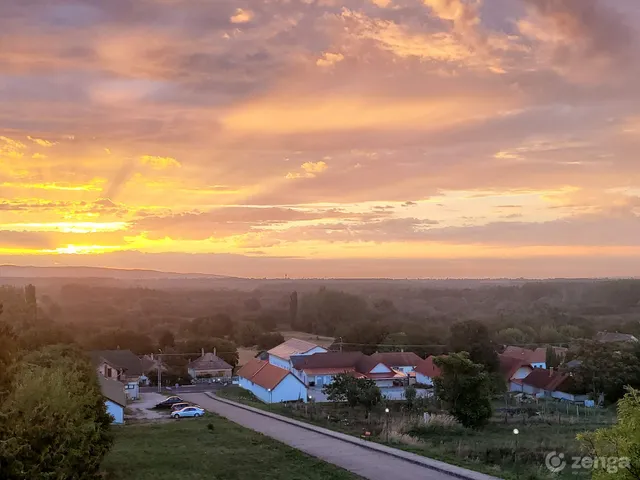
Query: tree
x,y
55,423
465,387
606,369
247,333
267,341
473,337
410,395
353,391
218,325
324,311
620,442
552,360
166,339
293,309
252,304
363,336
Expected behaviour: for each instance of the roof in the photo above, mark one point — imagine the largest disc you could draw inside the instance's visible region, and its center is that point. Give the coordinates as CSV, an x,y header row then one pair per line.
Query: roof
x,y
428,368
544,379
398,359
614,337
113,390
264,373
291,347
539,355
574,364
209,361
327,360
510,365
123,359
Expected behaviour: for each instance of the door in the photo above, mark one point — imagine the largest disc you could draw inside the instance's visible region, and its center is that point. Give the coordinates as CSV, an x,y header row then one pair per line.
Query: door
x,y
319,381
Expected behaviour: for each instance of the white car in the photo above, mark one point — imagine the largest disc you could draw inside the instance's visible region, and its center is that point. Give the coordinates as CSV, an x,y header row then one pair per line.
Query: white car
x,y
188,412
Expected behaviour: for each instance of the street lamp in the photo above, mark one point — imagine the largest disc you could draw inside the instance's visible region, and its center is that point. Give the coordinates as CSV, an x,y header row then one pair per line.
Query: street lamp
x,y
516,432
270,397
386,411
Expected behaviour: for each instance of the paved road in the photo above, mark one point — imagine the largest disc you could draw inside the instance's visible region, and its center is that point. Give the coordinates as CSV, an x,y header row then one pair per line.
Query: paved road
x,y
359,460
199,388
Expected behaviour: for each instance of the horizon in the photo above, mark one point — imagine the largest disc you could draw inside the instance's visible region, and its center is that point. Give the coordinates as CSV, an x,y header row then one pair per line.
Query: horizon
x,y
422,139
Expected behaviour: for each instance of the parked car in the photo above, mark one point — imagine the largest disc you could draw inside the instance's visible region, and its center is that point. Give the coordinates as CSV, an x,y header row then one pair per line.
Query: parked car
x,y
180,406
188,412
169,402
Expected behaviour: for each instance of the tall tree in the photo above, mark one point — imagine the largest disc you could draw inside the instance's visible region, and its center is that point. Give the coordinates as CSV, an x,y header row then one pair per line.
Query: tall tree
x,y
465,387
166,339
473,337
293,309
620,444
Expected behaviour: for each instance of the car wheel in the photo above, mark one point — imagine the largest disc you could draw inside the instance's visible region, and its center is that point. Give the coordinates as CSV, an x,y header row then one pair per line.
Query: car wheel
x,y
197,415
177,417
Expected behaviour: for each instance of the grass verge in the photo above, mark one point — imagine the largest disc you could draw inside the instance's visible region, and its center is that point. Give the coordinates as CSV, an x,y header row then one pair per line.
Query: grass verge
x,y
209,448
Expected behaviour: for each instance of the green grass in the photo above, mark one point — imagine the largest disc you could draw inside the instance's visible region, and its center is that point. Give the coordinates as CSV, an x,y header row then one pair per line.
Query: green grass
x,y
490,450
188,450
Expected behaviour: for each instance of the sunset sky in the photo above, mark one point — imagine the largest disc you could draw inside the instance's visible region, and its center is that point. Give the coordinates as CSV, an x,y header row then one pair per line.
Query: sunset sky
x,y
317,138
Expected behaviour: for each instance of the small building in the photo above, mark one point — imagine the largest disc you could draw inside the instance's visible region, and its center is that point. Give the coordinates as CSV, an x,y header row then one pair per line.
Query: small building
x,y
121,365
426,371
209,367
270,383
535,358
551,384
115,398
280,356
405,362
320,369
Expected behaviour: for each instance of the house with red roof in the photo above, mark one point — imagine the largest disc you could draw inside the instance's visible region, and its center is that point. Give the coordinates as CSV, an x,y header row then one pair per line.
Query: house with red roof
x,y
551,384
270,383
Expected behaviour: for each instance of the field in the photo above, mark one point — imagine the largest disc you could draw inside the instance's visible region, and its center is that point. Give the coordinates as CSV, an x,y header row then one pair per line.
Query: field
x,y
494,450
190,449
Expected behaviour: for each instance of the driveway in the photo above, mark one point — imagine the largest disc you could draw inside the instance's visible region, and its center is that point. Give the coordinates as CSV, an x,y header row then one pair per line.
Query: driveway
x,y
362,461
142,409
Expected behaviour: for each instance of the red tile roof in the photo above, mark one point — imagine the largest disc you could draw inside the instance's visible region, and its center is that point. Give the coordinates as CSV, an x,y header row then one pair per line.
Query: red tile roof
x,y
327,360
264,374
428,368
545,379
510,365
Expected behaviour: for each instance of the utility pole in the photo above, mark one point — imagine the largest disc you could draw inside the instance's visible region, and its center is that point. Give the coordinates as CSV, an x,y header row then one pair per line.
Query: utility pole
x,y
159,363
340,344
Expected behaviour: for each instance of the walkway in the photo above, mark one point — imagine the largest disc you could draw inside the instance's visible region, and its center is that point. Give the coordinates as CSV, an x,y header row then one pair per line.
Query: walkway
x,y
330,446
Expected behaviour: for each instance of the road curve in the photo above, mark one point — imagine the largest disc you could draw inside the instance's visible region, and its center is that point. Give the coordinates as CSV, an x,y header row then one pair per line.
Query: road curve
x,y
362,461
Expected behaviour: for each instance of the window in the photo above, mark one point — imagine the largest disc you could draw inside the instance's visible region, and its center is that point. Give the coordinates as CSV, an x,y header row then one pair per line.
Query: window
x,y
109,372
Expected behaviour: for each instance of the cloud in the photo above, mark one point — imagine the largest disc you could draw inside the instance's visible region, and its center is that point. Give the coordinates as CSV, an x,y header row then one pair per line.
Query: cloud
x,y
120,178
242,16
329,59
159,162
310,169
41,142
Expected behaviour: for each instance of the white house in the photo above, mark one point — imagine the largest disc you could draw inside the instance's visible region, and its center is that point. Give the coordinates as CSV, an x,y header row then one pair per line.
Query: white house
x,y
280,356
270,383
405,362
114,398
550,383
121,365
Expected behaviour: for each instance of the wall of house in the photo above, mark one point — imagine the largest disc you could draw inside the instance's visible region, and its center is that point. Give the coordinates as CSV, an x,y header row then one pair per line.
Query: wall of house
x,y
404,369
315,350
423,379
568,396
279,362
108,371
522,372
384,383
320,380
539,365
289,389
212,373
116,411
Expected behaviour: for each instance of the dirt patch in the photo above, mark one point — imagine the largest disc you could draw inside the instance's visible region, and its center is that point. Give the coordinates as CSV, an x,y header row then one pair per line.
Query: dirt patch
x,y
142,409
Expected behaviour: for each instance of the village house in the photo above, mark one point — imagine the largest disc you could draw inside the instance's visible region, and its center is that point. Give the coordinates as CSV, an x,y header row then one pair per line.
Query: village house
x,y
270,383
115,398
615,337
121,365
551,384
209,367
280,356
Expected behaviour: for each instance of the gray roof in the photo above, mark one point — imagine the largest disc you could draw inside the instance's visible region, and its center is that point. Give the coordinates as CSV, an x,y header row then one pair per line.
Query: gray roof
x,y
614,337
124,359
209,361
113,390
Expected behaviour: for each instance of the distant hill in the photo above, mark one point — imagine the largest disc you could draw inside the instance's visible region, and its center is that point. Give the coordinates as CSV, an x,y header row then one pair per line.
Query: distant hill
x,y
15,271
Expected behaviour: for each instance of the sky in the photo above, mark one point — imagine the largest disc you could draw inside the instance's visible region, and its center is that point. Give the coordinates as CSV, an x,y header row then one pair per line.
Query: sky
x,y
322,138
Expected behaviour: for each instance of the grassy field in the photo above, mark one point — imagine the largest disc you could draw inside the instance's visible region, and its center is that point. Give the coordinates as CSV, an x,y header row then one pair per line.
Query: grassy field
x,y
189,449
492,450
